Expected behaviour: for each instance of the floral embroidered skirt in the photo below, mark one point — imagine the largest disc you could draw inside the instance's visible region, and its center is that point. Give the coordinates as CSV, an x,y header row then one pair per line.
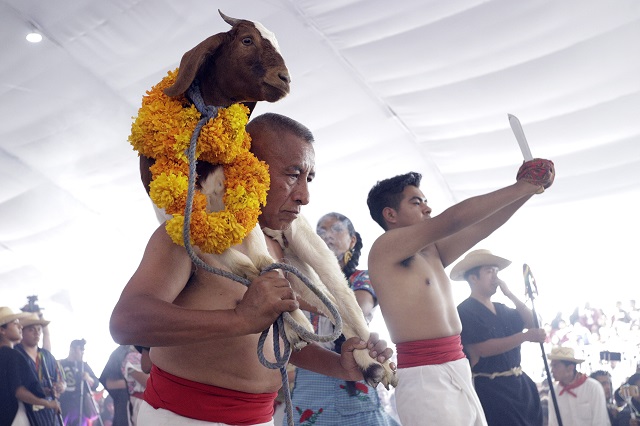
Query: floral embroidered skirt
x,y
322,400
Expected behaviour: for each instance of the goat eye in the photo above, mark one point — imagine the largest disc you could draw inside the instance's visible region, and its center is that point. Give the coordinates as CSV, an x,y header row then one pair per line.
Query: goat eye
x,y
247,41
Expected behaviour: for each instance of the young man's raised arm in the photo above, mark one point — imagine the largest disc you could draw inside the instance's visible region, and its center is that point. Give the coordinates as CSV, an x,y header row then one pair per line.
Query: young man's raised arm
x,y
454,246
399,244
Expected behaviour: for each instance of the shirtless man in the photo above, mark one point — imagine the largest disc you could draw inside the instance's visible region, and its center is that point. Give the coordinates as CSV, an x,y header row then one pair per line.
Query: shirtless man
x,y
203,329
406,267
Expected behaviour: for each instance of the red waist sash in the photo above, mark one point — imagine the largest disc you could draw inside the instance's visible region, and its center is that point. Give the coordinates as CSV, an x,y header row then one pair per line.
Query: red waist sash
x,y
429,352
206,402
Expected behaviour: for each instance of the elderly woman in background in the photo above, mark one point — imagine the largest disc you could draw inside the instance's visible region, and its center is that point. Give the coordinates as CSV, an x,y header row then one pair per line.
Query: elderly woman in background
x,y
322,400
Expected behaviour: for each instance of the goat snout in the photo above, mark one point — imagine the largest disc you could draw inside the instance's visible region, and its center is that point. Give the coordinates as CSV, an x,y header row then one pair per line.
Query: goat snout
x,y
284,76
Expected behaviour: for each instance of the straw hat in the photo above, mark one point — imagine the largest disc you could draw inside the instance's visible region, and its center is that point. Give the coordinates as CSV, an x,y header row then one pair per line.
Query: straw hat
x,y
477,258
562,353
32,318
7,315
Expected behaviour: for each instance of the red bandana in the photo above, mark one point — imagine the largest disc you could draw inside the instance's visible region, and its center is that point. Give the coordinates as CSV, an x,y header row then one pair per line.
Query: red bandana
x,y
580,379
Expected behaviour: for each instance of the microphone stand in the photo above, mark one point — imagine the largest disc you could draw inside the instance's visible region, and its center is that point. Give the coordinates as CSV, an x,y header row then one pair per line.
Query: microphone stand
x,y
93,403
530,281
50,384
80,416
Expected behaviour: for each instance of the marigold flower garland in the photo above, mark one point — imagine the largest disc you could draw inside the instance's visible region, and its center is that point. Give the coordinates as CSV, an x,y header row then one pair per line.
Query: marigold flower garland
x,y
162,130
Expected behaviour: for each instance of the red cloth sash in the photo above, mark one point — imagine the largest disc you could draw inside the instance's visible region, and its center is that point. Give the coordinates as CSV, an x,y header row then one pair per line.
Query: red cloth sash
x,y
580,379
206,402
429,352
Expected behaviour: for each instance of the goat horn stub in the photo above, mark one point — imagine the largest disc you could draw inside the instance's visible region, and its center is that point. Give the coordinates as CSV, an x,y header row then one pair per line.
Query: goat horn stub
x,y
227,19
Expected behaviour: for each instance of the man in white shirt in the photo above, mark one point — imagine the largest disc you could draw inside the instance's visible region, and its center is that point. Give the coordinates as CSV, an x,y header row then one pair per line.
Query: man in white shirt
x,y
580,398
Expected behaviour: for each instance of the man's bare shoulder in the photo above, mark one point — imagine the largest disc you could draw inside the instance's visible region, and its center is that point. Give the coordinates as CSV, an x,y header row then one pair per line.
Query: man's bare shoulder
x,y
397,245
396,248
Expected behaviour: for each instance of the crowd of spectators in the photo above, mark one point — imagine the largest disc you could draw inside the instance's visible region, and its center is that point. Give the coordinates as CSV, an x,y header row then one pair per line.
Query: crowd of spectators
x,y
608,338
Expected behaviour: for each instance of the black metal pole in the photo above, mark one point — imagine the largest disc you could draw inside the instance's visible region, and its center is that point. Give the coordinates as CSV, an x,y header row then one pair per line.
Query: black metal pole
x,y
53,392
93,402
81,392
528,277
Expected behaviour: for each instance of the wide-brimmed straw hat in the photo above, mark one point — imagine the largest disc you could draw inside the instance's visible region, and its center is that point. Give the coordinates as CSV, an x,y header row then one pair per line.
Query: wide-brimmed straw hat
x,y
562,353
7,315
33,319
476,258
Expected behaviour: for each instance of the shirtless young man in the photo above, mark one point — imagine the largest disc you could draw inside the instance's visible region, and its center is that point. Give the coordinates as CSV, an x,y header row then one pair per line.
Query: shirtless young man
x,y
406,267
203,329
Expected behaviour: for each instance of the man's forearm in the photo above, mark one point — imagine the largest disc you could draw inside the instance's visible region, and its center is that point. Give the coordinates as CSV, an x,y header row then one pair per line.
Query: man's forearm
x,y
159,323
498,346
315,358
24,395
525,313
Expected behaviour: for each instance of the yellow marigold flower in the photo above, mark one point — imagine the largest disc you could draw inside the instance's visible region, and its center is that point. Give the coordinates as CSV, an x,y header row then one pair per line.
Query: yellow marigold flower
x,y
174,229
162,131
164,189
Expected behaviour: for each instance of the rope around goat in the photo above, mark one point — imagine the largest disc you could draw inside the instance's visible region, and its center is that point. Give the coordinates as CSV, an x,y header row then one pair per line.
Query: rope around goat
x,y
209,112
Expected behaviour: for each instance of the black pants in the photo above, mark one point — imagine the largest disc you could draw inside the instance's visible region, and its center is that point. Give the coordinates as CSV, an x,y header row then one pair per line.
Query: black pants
x,y
120,406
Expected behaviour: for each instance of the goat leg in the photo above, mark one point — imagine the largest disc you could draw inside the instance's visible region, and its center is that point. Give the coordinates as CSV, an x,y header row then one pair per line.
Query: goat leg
x,y
306,246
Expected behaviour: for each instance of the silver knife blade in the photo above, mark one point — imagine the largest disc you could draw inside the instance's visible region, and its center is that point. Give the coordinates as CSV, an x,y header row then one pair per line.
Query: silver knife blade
x,y
519,133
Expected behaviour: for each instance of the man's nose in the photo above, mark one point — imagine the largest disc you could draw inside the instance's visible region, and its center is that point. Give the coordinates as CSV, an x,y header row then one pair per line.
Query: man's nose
x,y
302,193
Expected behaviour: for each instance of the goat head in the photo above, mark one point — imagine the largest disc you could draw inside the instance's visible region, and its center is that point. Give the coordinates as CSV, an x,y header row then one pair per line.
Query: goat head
x,y
242,65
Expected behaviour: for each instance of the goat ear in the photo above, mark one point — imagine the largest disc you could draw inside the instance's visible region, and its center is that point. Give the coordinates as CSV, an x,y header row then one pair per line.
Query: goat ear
x,y
145,173
191,63
250,105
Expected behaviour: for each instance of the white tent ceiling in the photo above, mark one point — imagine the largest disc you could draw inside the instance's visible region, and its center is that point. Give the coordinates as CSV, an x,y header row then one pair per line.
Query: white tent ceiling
x,y
386,87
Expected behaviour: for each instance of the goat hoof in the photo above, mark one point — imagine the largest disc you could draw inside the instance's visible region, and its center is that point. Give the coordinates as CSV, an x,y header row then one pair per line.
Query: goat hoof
x,y
390,376
374,374
377,373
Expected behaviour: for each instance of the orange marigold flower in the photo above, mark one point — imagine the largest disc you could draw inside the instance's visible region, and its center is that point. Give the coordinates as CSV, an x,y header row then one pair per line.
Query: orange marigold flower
x,y
163,130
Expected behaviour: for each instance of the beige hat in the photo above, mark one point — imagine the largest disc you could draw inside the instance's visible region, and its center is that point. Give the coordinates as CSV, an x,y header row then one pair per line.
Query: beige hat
x,y
477,258
32,319
7,315
562,353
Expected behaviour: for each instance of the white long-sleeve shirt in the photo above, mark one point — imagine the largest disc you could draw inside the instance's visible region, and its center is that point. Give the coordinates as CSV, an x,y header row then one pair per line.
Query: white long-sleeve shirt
x,y
587,408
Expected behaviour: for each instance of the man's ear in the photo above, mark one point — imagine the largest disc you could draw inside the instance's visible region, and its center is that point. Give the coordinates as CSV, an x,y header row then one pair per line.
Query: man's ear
x,y
472,279
389,215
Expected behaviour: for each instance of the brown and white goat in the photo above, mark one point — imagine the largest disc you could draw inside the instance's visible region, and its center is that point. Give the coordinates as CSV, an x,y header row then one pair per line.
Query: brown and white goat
x,y
245,65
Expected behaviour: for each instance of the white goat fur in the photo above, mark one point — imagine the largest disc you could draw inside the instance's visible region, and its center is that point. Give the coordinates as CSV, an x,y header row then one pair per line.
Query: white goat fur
x,y
306,251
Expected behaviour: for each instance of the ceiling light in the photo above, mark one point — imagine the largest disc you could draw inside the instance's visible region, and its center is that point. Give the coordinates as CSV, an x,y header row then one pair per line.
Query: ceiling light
x,y
34,37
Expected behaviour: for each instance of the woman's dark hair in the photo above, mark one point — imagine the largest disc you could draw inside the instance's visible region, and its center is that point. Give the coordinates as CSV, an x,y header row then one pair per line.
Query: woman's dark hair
x,y
350,267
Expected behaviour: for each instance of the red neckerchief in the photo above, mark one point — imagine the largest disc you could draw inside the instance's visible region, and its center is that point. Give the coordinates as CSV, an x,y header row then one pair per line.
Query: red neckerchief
x,y
580,379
